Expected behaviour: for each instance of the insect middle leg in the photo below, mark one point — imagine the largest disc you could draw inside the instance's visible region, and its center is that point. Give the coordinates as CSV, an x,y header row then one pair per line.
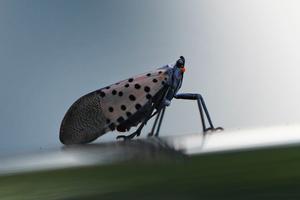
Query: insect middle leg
x,y
159,118
154,124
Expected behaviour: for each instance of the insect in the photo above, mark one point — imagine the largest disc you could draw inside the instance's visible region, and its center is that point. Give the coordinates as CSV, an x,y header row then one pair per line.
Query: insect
x,y
129,103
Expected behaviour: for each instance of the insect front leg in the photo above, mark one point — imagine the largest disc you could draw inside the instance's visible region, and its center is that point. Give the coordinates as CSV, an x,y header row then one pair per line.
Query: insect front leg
x,y
201,107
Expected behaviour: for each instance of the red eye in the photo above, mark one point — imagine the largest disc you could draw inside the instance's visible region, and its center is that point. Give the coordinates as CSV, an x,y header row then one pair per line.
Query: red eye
x,y
182,69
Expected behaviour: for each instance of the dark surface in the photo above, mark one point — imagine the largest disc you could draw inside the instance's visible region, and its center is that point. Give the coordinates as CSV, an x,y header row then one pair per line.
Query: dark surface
x,y
259,174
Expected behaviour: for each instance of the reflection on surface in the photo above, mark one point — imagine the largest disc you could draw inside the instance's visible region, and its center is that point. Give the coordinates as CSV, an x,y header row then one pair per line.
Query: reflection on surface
x,y
90,154
271,173
166,148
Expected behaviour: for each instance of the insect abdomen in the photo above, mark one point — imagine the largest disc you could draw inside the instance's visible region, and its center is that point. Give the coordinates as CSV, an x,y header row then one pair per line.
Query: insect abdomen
x,y
84,121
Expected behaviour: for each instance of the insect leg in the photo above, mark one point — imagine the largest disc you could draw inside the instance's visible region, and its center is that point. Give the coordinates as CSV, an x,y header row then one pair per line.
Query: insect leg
x,y
201,115
201,104
154,124
160,121
160,114
138,131
132,135
200,100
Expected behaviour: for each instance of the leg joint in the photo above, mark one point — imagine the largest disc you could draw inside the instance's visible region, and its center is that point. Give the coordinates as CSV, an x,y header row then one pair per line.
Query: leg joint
x,y
199,96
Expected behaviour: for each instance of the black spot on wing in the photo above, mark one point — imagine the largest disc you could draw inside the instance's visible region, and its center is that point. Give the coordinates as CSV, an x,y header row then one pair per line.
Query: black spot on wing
x,y
107,87
132,97
123,107
114,92
111,109
154,80
137,86
102,94
148,96
148,74
128,114
159,72
147,89
163,82
130,80
120,93
138,106
126,85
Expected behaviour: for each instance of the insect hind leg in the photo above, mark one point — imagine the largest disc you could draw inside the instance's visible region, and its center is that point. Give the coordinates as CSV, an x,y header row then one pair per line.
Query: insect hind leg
x,y
160,121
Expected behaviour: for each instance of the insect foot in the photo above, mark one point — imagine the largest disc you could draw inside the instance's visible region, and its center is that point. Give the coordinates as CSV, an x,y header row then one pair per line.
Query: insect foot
x,y
218,129
129,137
150,134
124,137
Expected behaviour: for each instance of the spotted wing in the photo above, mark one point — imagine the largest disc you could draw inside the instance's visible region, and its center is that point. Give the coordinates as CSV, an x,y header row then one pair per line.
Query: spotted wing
x,y
121,100
98,112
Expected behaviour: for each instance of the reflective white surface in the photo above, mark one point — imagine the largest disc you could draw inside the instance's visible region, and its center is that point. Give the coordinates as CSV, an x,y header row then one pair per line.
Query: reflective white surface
x,y
150,148
239,139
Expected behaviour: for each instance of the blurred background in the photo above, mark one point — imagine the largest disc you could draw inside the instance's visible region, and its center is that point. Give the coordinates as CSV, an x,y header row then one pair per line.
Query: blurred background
x,y
242,56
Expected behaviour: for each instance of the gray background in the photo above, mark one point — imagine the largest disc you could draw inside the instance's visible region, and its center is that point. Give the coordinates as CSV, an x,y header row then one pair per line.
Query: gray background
x,y
243,56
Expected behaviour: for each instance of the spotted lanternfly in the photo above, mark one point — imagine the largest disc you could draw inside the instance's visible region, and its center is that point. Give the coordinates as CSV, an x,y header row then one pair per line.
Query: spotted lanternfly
x,y
128,103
